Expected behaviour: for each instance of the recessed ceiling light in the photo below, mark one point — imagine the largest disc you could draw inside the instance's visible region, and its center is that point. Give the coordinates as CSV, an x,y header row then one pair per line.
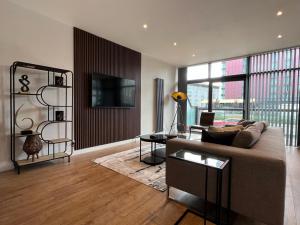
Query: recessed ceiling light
x,y
175,44
279,13
193,55
145,26
279,36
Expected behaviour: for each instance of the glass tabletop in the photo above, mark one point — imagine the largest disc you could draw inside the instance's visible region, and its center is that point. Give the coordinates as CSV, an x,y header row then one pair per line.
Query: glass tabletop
x,y
153,137
164,136
201,158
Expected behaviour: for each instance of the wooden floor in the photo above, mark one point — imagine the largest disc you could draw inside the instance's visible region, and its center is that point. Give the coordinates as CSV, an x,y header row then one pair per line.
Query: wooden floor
x,y
84,193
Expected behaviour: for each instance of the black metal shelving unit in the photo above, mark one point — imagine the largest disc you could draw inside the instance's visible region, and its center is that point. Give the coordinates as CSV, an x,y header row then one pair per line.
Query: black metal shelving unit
x,y
67,138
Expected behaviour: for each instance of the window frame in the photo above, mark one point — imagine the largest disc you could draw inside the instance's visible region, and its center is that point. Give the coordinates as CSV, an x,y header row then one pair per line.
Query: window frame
x,y
210,80
245,77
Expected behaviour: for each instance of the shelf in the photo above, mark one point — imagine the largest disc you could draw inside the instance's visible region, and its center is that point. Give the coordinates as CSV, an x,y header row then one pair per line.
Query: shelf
x,y
19,93
60,121
56,86
41,95
39,67
60,106
43,158
25,135
59,140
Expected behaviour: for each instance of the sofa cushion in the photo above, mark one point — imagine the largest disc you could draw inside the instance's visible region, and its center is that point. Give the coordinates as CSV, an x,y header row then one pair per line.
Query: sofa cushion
x,y
223,129
266,124
249,136
259,125
222,138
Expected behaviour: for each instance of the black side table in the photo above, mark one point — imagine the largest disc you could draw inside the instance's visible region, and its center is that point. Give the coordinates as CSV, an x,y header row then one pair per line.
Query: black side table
x,y
213,162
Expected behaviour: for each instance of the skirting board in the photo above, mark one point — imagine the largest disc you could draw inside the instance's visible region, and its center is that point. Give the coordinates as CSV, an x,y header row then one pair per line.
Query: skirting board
x,y
102,147
4,166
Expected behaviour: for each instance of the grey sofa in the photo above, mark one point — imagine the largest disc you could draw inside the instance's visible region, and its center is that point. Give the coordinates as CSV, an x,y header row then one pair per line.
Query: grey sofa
x,y
258,175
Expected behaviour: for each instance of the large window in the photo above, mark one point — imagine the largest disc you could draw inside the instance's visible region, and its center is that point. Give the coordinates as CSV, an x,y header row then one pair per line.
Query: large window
x,y
274,90
198,101
221,90
229,67
197,72
266,89
227,102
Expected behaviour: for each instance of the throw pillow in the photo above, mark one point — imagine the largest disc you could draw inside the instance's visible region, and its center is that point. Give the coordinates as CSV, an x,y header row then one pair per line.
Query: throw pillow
x,y
222,138
247,137
266,125
260,126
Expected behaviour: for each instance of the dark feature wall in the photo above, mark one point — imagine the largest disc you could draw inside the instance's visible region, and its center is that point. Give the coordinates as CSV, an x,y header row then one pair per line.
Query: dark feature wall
x,y
97,126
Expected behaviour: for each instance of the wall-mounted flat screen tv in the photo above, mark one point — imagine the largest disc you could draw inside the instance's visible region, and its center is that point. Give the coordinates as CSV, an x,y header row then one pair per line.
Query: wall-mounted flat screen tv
x,y
112,91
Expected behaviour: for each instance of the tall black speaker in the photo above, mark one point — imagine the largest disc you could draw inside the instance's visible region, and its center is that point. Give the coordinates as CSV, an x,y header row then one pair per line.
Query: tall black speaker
x,y
159,104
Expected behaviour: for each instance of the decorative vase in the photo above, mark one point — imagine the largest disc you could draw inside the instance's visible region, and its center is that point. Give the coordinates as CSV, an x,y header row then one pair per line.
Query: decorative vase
x,y
59,115
59,81
33,144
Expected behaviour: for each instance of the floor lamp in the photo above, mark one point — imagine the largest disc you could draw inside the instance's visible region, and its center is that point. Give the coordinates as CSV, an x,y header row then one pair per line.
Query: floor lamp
x,y
178,97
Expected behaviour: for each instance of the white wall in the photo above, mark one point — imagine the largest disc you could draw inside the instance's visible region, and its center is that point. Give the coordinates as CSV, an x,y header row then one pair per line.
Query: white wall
x,y
27,36
151,69
31,37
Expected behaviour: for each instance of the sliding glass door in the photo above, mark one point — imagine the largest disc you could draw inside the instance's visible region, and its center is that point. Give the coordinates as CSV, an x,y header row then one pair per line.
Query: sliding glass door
x,y
197,101
228,102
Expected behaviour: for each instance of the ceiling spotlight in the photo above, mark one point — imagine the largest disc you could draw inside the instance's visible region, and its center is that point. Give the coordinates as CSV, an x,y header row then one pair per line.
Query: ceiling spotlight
x,y
279,36
279,13
145,26
175,44
193,55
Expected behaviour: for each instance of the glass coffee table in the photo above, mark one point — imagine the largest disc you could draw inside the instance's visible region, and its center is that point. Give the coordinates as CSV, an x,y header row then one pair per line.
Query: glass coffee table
x,y
158,155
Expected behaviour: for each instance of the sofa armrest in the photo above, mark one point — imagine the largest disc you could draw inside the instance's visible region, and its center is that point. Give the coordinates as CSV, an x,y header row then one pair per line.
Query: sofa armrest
x,y
257,179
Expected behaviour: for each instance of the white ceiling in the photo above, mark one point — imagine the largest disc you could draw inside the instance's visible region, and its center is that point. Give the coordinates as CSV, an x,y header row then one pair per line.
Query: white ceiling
x,y
211,29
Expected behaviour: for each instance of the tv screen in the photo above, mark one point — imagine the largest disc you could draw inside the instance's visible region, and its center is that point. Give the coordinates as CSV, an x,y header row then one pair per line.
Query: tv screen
x,y
111,91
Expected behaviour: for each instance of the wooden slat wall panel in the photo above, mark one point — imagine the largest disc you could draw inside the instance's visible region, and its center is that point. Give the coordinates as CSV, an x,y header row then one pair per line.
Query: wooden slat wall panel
x,y
97,126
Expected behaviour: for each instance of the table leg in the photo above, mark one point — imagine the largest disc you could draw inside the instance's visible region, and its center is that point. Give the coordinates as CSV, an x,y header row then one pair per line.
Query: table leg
x,y
229,194
168,192
151,148
205,195
140,150
154,150
219,196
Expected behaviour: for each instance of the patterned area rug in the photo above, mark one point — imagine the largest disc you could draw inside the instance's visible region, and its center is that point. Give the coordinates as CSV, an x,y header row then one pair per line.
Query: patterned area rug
x,y
128,163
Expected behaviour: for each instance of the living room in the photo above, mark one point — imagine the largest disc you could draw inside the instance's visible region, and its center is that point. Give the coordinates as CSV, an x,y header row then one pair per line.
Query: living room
x,y
150,112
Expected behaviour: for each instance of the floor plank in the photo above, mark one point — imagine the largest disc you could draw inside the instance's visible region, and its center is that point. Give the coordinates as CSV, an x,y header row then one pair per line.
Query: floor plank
x,y
81,192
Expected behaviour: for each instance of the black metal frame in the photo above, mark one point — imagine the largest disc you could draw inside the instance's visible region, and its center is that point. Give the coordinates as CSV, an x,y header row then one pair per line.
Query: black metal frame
x,y
219,183
239,77
154,158
51,72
